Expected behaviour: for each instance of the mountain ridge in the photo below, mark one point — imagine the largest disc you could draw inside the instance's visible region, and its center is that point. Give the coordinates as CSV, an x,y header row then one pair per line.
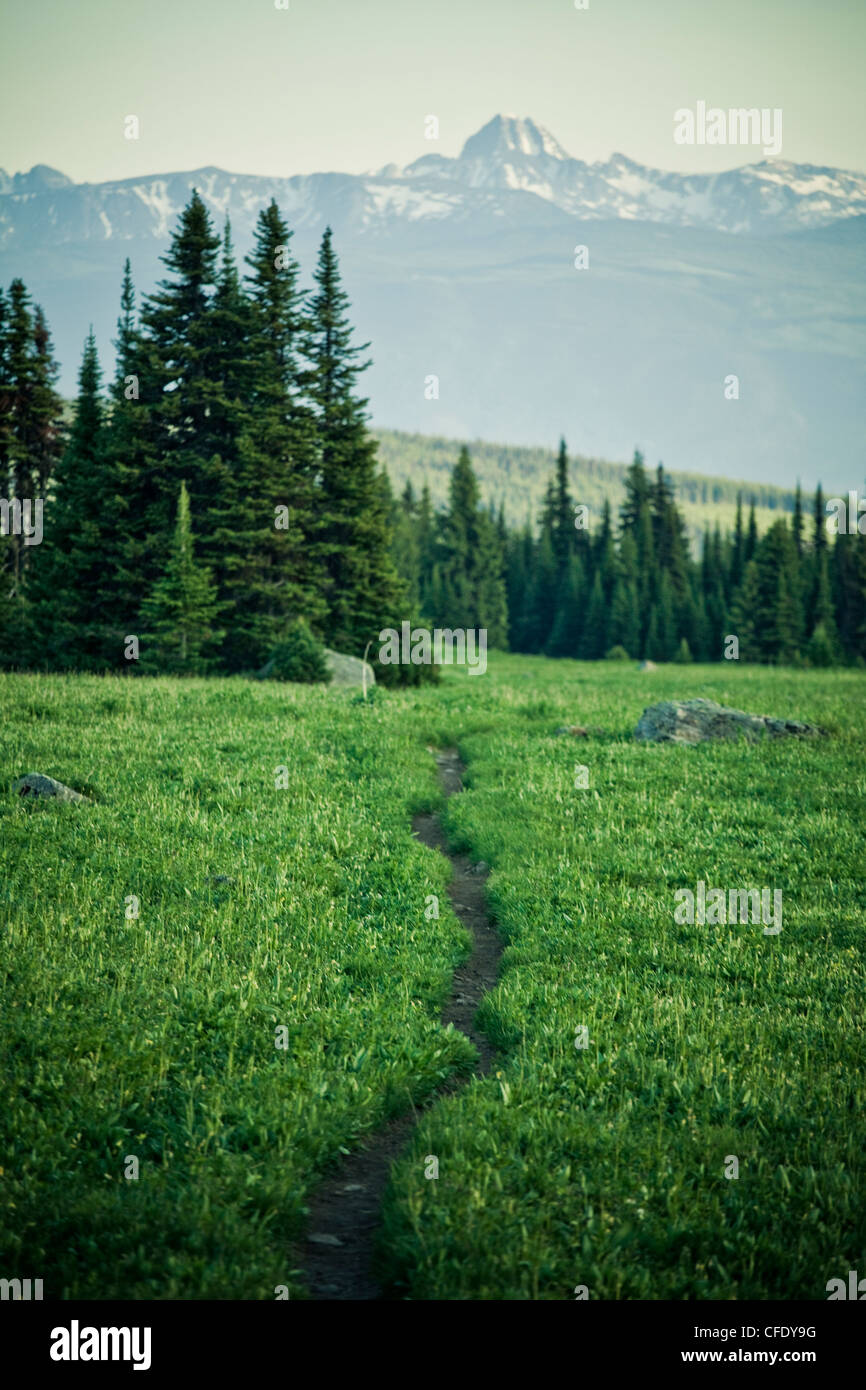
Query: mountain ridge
x,y
464,270
508,154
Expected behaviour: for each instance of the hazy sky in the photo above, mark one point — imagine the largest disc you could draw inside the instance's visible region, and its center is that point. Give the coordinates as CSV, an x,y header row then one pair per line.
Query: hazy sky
x,y
346,84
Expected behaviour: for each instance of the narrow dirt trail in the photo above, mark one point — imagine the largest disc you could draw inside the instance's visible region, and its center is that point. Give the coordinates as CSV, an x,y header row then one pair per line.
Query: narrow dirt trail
x,y
345,1208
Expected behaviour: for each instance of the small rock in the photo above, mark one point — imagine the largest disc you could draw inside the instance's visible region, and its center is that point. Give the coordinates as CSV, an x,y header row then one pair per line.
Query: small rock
x,y
320,1239
697,721
575,730
349,670
647,666
36,784
481,867
354,1187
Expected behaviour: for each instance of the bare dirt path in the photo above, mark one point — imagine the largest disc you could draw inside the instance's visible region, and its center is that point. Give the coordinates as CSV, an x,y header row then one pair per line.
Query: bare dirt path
x,y
345,1208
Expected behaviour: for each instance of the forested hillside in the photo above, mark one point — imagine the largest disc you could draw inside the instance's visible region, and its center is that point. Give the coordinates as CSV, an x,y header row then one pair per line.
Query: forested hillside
x,y
516,477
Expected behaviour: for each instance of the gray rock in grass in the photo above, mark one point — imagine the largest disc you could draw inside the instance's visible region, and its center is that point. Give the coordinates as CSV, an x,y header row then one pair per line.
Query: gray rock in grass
x,y
37,785
647,666
348,670
697,721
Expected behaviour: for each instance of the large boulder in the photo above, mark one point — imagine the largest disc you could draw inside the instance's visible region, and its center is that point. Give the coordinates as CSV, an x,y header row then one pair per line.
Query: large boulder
x,y
348,670
696,721
35,784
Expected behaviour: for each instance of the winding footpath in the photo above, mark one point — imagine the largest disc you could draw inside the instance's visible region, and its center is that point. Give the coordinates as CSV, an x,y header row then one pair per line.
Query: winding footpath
x,y
345,1208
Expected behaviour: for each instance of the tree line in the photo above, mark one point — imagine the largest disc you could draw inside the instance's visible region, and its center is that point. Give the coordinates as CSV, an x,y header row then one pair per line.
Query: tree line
x,y
224,485
223,488
630,585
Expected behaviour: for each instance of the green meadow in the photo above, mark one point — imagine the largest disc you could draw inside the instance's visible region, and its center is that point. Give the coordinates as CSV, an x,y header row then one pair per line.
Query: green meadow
x,y
222,974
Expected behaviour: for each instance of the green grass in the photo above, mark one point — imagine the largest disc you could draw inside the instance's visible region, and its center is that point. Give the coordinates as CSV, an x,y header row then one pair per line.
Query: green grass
x,y
602,1167
155,1037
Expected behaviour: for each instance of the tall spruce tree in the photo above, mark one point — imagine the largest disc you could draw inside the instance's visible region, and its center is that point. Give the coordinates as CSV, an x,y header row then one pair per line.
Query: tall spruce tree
x,y
565,635
738,550
766,613
562,520
75,600
278,574
472,591
362,589
131,468
595,634
751,544
180,366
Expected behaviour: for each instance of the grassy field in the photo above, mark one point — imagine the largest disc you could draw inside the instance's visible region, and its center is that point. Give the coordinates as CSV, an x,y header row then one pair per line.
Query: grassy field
x,y
263,906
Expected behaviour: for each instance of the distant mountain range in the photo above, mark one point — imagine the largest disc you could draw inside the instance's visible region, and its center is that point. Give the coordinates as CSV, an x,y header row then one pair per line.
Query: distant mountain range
x,y
464,269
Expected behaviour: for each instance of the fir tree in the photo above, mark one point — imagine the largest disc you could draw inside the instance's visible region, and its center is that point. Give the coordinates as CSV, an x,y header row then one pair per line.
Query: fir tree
x,y
405,548
595,637
426,532
362,587
75,600
849,592
751,544
562,519
766,616
180,613
735,575
797,523
472,587
131,468
519,575
565,635
31,433
543,592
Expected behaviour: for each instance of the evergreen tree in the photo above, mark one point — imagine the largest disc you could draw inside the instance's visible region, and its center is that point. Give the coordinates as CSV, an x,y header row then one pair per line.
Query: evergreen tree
x,y
766,617
797,523
31,433
269,567
565,635
518,585
543,593
819,534
473,589
426,532
180,613
562,519
130,466
636,520
712,607
75,601
738,551
824,647
180,434
405,549
849,592
670,544
604,553
595,637
362,587
751,536
662,637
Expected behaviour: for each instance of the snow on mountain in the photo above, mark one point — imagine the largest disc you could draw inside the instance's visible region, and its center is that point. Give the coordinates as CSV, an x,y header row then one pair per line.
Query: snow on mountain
x,y
507,156
464,267
772,196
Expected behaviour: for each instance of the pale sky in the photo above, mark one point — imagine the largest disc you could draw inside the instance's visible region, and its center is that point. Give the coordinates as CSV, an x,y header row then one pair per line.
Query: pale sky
x,y
346,84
